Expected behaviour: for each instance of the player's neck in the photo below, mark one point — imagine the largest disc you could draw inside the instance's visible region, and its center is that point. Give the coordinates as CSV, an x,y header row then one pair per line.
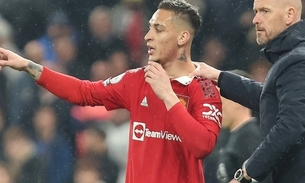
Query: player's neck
x,y
177,69
180,65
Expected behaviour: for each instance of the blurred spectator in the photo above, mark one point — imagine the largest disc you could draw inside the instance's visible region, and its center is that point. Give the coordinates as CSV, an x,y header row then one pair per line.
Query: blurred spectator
x,y
103,69
5,176
120,18
151,6
229,21
100,70
3,127
211,161
251,50
3,92
135,32
28,22
259,69
118,63
23,163
214,52
34,51
197,42
58,25
117,131
87,171
78,10
95,146
66,50
7,41
6,35
53,148
101,42
33,15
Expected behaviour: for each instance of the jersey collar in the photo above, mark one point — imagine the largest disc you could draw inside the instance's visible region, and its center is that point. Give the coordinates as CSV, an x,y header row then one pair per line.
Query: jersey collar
x,y
186,80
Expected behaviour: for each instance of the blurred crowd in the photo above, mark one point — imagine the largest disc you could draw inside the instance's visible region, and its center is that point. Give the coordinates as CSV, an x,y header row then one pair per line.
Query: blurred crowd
x,y
47,140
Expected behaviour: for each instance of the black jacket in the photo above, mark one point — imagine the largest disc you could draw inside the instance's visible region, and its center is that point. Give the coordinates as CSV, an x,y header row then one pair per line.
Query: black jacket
x,y
281,103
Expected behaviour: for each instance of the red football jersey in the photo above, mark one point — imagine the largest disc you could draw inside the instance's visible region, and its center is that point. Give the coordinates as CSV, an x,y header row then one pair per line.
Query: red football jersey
x,y
164,146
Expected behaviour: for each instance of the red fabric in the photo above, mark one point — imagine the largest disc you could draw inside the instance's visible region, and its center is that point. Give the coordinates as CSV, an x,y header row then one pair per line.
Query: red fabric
x,y
88,113
164,146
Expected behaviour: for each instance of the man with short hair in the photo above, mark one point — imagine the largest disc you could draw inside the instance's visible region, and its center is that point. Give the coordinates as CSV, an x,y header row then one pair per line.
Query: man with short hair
x,y
175,120
280,100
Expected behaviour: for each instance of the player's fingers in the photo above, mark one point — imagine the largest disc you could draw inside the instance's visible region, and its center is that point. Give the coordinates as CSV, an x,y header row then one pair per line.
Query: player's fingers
x,y
3,56
148,74
3,63
148,80
155,64
146,68
152,69
4,51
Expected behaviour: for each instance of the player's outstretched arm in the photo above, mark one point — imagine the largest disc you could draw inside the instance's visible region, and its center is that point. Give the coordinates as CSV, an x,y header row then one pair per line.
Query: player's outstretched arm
x,y
17,62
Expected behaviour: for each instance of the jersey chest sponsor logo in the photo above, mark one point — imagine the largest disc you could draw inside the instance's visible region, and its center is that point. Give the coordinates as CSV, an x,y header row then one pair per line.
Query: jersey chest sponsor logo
x,y
141,132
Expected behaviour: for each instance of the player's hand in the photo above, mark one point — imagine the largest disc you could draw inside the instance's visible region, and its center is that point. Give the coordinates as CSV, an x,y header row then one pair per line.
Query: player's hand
x,y
206,71
158,79
11,59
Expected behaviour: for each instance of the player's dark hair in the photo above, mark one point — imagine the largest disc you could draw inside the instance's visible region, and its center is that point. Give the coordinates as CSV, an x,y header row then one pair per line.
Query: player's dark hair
x,y
185,11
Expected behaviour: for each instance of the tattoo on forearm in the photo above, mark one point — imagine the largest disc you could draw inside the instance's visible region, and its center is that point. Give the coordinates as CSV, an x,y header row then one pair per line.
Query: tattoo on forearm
x,y
183,56
35,70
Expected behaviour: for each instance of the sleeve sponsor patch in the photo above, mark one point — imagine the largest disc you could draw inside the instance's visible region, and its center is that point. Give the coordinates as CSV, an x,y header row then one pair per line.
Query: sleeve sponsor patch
x,y
113,80
212,113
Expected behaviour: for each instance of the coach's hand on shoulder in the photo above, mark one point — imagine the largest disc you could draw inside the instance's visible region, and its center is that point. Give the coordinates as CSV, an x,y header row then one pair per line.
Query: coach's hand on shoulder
x,y
206,71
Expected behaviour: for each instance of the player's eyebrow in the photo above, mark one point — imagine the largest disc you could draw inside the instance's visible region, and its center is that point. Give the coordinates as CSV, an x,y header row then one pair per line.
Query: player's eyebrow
x,y
156,25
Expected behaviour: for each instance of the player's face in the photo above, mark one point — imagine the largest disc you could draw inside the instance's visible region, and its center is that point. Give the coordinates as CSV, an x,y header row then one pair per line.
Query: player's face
x,y
162,37
269,20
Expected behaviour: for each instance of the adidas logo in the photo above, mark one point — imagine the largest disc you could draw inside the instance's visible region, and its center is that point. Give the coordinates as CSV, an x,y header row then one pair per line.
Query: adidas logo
x,y
144,102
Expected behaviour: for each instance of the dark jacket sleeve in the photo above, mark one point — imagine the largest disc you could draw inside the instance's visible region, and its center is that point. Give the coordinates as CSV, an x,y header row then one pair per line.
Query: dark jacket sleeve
x,y
289,128
240,89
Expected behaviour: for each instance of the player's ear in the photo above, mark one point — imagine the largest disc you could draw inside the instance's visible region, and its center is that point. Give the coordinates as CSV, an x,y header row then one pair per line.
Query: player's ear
x,y
183,37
